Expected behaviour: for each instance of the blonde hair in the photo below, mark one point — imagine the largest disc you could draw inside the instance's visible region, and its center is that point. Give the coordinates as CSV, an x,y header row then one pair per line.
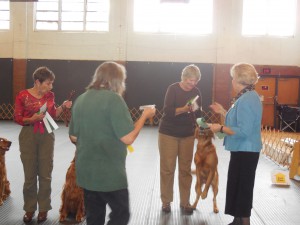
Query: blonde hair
x,y
244,73
191,71
109,75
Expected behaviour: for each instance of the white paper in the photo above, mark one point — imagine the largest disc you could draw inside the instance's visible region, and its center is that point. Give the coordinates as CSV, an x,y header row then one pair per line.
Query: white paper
x,y
47,125
49,120
195,99
147,106
195,106
43,109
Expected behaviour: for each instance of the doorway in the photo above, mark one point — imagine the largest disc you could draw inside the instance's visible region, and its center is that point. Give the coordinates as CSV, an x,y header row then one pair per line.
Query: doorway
x,y
276,91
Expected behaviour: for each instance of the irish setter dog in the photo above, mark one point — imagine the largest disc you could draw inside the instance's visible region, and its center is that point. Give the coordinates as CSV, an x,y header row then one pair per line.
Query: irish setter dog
x,y
206,161
4,183
72,197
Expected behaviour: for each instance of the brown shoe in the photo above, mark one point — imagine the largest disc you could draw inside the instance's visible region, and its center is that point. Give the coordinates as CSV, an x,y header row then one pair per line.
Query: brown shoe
x,y
187,209
166,207
27,218
42,216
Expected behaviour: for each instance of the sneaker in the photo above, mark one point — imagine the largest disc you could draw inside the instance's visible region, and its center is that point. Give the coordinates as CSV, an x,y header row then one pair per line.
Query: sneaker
x,y
166,207
188,210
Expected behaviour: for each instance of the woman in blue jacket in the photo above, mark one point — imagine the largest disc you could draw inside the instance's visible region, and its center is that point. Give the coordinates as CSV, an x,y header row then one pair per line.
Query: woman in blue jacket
x,y
243,140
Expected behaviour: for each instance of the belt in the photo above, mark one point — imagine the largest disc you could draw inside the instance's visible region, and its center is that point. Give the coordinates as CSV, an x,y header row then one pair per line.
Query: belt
x,y
28,125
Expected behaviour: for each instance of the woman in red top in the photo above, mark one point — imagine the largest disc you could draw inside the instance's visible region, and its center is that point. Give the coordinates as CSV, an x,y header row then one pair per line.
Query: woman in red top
x,y
36,144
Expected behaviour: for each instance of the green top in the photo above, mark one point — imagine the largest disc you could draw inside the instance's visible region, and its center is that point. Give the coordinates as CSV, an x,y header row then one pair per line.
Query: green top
x,y
99,119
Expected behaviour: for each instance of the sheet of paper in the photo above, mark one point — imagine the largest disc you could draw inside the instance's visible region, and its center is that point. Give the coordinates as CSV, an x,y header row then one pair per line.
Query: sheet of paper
x,y
142,107
43,109
49,123
195,99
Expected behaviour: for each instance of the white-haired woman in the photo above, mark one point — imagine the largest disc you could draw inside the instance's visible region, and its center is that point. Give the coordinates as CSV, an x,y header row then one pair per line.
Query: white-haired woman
x,y
243,140
101,127
176,138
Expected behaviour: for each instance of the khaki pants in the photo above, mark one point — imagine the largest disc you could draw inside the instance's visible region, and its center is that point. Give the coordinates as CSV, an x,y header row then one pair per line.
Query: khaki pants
x,y
171,149
37,152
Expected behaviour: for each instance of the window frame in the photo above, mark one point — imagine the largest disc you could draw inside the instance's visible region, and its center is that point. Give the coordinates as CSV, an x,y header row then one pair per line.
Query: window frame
x,y
3,20
59,22
267,22
159,27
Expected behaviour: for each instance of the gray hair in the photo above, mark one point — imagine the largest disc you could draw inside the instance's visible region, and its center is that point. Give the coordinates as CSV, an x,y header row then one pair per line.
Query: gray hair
x,y
191,71
244,73
111,76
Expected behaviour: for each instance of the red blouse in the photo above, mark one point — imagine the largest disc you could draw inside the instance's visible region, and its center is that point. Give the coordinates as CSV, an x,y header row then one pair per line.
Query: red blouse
x,y
26,105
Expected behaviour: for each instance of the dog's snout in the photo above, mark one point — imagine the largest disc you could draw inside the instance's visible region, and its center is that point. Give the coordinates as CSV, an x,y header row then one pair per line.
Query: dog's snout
x,y
5,144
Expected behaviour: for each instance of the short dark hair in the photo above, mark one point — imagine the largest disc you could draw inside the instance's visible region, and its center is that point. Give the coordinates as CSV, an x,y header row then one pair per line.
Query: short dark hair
x,y
43,73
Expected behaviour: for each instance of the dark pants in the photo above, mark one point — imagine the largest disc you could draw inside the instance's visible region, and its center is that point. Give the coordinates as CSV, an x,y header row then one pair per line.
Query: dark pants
x,y
240,183
95,206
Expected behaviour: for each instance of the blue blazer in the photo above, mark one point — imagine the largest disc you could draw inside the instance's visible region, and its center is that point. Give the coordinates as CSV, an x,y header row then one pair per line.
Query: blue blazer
x,y
244,118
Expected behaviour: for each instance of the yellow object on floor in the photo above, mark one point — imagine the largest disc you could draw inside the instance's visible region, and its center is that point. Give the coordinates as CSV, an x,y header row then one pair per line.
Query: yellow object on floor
x,y
280,177
130,148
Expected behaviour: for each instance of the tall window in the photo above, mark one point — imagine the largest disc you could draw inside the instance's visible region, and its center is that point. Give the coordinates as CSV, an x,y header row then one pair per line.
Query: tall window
x,y
4,15
183,17
72,15
269,17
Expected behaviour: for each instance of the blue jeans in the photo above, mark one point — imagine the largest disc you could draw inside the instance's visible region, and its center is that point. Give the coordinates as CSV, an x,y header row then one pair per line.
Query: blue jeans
x,y
95,206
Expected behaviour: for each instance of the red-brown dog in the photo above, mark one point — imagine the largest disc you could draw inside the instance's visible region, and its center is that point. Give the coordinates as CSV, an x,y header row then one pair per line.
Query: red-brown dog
x,y
206,161
72,197
4,183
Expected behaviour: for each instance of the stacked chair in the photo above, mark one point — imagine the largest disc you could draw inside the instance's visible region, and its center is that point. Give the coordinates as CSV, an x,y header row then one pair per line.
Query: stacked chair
x,y
288,117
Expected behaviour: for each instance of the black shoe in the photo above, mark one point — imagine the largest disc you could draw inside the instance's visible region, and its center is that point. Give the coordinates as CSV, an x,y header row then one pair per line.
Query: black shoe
x,y
245,221
236,221
166,208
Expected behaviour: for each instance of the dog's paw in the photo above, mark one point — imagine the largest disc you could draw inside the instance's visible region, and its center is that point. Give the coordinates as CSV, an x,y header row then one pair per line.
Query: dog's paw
x,y
62,218
79,218
4,197
204,195
216,210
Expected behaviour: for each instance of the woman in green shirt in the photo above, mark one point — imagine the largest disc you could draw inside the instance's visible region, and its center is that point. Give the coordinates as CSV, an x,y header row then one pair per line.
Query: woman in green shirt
x,y
101,127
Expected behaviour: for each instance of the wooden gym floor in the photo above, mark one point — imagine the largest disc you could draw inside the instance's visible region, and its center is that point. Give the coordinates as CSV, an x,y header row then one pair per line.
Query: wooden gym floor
x,y
273,205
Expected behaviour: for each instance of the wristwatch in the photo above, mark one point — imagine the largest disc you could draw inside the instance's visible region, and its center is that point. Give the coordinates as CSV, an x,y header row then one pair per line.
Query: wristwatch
x,y
221,129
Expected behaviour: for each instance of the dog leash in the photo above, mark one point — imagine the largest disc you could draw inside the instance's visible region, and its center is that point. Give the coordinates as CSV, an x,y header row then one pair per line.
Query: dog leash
x,y
66,111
